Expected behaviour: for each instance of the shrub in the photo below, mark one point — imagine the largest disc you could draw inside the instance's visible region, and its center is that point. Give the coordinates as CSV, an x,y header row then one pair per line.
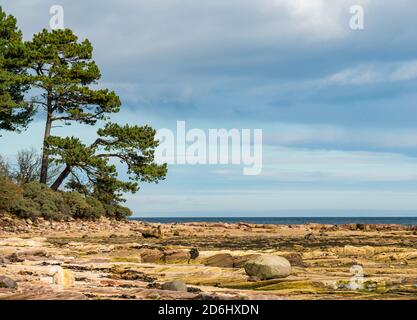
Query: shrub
x,y
50,203
80,207
25,208
117,211
9,193
38,200
12,200
76,205
96,208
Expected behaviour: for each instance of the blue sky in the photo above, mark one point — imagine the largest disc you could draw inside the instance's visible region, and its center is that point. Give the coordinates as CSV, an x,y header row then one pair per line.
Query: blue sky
x,y
337,106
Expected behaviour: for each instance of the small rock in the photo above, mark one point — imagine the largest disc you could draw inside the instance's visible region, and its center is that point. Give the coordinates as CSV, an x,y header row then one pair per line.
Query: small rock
x,y
193,289
175,286
310,237
13,258
62,277
6,282
253,279
194,253
154,233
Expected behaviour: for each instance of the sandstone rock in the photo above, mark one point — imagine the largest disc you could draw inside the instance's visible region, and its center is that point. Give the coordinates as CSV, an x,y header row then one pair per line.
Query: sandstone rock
x,y
12,258
268,267
153,233
240,261
172,256
6,282
151,255
18,242
222,260
175,286
295,259
358,251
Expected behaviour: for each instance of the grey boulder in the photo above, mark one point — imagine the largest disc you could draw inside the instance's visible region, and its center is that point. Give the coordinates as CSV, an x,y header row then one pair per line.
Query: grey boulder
x,y
268,267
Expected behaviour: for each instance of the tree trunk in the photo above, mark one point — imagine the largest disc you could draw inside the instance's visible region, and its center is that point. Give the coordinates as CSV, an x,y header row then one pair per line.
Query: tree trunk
x,y
45,153
64,174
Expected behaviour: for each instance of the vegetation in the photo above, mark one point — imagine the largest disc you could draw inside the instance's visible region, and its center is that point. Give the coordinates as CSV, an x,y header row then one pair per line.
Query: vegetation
x,y
54,73
14,112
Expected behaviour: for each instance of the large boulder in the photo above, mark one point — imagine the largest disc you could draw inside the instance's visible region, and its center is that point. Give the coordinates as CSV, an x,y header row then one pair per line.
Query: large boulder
x,y
268,267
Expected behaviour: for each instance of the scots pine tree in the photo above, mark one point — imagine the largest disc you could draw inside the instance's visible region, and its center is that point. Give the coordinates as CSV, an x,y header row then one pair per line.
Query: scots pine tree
x,y
15,114
132,146
65,77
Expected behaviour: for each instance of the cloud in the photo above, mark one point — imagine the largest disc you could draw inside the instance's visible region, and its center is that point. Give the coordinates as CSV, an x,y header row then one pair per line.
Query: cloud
x,y
320,91
343,137
371,73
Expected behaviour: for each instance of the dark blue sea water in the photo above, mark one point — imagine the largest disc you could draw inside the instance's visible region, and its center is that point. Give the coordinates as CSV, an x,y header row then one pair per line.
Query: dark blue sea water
x,y
288,220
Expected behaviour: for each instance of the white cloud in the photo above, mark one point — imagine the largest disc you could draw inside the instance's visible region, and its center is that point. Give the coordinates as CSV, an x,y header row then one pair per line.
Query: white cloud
x,y
290,164
374,73
283,164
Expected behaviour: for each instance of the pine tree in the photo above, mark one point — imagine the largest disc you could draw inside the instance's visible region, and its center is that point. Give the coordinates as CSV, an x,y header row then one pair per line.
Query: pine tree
x,y
15,114
133,146
62,70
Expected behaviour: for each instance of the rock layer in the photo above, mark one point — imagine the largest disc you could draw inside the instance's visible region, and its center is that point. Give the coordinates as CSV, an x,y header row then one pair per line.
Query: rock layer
x,y
43,260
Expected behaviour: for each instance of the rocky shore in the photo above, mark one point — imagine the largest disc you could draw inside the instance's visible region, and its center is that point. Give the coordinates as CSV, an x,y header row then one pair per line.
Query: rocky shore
x,y
135,260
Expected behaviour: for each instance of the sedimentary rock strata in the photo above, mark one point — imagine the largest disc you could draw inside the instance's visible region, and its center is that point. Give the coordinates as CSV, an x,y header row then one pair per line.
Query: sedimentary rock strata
x,y
113,260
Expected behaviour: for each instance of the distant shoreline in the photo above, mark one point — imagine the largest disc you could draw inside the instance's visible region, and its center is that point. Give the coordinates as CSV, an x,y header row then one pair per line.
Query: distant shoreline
x,y
284,220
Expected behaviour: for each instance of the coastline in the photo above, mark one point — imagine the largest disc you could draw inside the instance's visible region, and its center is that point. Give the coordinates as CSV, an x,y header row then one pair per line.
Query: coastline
x,y
338,220
109,259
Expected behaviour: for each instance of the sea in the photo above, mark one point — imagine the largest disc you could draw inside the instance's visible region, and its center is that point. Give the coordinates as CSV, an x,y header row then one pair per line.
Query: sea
x,y
287,220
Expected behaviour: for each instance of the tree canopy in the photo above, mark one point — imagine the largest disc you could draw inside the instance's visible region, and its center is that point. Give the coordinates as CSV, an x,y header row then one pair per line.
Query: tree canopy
x,y
62,70
15,114
133,146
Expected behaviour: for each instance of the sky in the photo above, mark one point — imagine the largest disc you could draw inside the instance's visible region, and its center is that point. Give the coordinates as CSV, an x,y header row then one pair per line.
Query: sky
x,y
337,107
